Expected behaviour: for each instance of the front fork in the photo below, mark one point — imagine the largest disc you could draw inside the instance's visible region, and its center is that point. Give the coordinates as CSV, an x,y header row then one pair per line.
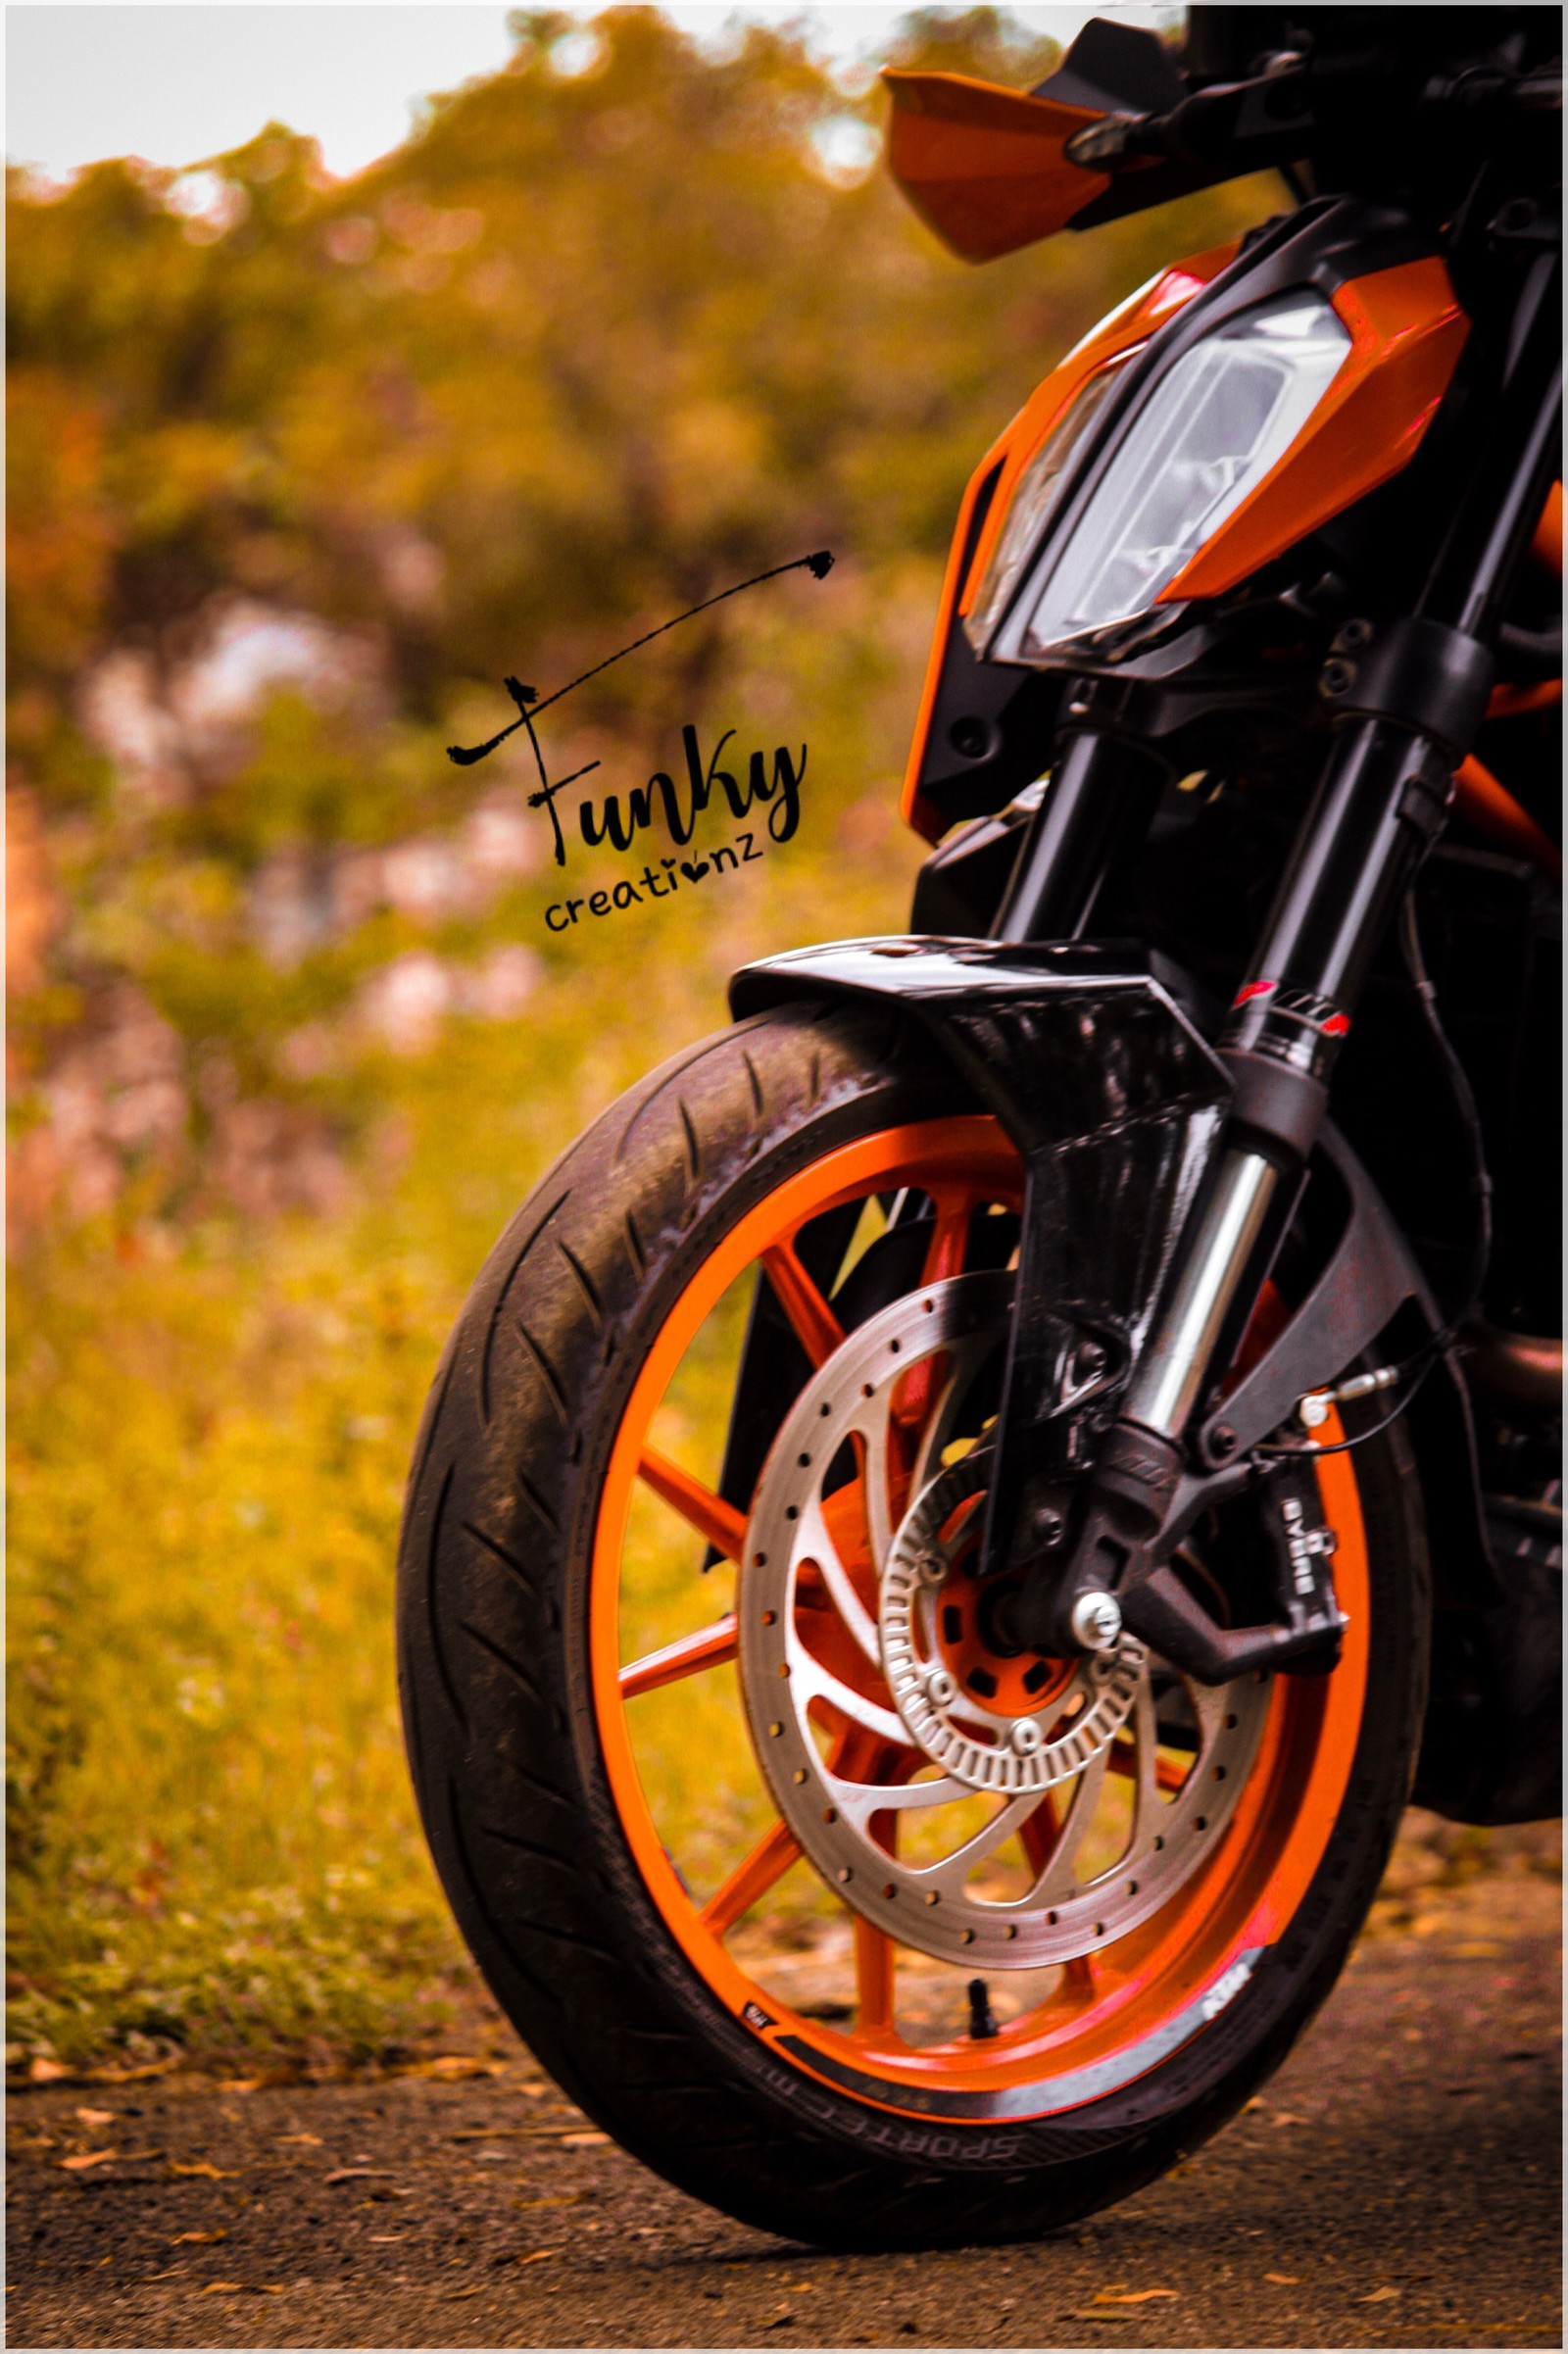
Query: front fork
x,y
1380,803
1409,696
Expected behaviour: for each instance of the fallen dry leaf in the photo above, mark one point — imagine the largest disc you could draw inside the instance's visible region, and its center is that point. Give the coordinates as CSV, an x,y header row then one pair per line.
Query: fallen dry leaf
x,y
453,2064
199,2239
239,2084
204,2166
1133,2296
1285,2280
213,2288
96,2116
357,2174
87,2157
130,2076
1378,2296
533,2256
584,2141
315,2139
46,2072
1286,2117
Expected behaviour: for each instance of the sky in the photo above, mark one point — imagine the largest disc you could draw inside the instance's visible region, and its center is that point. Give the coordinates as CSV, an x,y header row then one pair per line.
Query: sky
x,y
177,83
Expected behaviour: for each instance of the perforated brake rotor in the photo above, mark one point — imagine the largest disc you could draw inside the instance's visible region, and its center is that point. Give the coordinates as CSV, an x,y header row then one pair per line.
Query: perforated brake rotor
x,y
900,1792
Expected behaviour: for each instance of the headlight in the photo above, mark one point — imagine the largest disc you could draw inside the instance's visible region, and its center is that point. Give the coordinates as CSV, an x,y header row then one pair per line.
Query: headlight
x,y
1033,498
1202,436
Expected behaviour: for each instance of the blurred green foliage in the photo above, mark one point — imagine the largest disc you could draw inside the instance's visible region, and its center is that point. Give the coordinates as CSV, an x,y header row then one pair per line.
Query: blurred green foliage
x,y
608,333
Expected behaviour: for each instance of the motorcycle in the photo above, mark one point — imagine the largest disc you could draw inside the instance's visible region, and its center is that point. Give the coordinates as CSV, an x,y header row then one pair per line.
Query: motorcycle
x,y
1018,1455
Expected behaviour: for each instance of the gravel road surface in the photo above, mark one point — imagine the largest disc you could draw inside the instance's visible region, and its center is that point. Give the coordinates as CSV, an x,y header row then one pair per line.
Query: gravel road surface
x,y
1399,2184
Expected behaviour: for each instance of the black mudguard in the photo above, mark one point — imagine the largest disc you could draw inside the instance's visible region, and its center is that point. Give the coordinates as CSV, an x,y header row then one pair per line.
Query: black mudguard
x,y
1114,1098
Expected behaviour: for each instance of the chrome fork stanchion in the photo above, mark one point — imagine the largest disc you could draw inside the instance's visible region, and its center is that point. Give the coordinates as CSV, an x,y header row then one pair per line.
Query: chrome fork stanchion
x,y
1170,1372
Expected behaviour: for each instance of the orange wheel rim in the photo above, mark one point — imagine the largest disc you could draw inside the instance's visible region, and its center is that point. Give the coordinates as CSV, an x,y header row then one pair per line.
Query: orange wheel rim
x,y
1119,2011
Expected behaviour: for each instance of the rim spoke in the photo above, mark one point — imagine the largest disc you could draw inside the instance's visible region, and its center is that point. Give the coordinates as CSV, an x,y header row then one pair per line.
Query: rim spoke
x,y
1078,1977
944,1257
767,1863
874,1964
814,1324
960,1361
708,1647
718,1522
1038,1836
936,1423
945,1253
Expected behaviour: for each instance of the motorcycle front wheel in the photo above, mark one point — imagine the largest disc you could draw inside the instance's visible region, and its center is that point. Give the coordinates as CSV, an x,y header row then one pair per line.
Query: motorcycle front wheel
x,y
696,1487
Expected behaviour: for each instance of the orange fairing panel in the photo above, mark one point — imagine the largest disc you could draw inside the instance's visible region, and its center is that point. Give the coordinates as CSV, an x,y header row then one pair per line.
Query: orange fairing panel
x,y
984,165
1130,324
914,806
1407,333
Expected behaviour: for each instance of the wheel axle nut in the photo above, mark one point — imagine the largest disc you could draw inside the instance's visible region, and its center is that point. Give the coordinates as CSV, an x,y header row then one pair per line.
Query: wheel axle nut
x,y
940,1687
1096,1621
1025,1736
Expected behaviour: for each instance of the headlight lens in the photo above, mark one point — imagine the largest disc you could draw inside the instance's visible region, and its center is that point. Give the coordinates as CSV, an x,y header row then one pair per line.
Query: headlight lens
x,y
1033,498
1203,435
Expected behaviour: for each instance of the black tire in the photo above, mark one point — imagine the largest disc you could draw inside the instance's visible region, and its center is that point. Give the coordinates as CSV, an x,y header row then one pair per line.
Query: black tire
x,y
502,1736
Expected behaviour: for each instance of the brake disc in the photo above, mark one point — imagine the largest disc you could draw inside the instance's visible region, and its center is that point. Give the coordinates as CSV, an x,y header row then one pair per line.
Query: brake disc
x,y
906,1752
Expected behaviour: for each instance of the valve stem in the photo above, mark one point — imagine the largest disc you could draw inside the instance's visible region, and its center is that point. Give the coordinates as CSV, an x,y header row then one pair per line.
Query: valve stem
x,y
982,2018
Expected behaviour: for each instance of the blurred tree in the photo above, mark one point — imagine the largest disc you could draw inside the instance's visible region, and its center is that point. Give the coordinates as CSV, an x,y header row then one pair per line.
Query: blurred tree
x,y
299,470
615,328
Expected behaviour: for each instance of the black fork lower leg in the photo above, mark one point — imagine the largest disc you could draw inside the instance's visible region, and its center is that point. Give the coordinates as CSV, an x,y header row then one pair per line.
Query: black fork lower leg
x,y
1380,803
